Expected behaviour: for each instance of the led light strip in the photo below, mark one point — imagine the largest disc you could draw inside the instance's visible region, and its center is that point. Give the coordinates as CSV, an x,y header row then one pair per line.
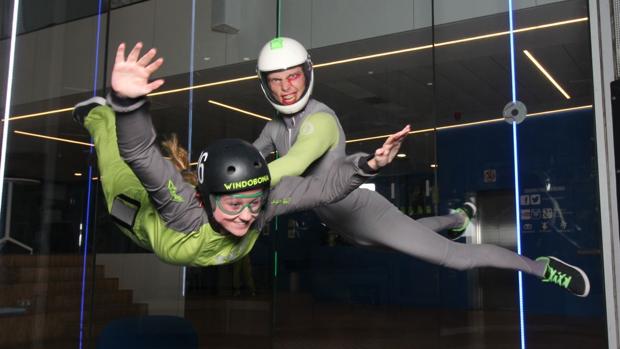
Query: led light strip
x,y
546,73
515,149
65,140
474,123
7,105
89,189
49,112
227,106
349,60
370,138
210,84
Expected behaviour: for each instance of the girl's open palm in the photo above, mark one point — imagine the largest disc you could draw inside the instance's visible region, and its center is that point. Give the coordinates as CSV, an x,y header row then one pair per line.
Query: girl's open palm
x,y
130,76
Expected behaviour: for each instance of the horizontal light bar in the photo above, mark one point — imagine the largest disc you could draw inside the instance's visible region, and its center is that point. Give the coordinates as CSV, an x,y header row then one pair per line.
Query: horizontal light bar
x,y
546,73
49,112
351,140
474,123
451,42
522,30
210,84
349,60
376,55
239,110
482,122
52,138
386,136
541,113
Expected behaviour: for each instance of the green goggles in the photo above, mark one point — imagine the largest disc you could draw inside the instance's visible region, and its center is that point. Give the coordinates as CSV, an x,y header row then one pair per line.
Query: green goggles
x,y
234,204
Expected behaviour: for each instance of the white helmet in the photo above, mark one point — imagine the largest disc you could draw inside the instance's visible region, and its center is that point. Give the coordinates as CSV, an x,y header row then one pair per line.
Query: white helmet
x,y
281,54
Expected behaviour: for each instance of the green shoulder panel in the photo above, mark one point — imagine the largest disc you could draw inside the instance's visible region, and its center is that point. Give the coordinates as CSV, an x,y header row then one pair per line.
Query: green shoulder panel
x,y
317,135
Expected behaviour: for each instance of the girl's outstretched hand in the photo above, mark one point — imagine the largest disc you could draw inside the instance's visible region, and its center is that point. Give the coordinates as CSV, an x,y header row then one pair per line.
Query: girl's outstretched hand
x,y
130,76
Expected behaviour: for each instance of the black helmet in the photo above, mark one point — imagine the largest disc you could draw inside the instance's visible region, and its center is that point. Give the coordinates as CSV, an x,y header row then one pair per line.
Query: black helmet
x,y
229,166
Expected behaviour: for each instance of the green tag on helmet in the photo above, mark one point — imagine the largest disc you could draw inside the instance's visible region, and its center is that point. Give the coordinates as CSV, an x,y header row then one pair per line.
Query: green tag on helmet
x,y
276,43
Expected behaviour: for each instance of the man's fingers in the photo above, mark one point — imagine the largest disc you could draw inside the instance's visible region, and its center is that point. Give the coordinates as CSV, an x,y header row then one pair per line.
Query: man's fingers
x,y
398,136
403,133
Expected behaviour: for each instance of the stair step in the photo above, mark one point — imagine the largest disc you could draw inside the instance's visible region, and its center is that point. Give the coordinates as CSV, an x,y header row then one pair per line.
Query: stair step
x,y
60,325
65,287
49,303
44,292
26,260
19,274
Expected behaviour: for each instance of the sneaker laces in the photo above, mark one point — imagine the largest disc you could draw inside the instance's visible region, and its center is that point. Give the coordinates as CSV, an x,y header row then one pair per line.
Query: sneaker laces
x,y
557,277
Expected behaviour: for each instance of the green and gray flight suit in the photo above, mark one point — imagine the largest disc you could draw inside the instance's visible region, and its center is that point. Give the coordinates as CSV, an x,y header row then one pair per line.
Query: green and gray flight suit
x,y
161,212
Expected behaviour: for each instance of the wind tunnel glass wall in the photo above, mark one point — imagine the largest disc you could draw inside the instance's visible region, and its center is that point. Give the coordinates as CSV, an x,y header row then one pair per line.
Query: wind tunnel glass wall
x,y
461,149
340,276
554,72
47,273
547,206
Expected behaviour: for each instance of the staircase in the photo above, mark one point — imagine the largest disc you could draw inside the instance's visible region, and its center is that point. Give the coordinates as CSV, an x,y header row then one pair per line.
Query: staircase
x,y
40,299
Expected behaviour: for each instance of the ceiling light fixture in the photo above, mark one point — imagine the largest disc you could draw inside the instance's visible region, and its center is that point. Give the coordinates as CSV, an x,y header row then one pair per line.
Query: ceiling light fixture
x,y
36,135
210,84
49,112
351,140
451,42
239,110
546,73
321,65
474,123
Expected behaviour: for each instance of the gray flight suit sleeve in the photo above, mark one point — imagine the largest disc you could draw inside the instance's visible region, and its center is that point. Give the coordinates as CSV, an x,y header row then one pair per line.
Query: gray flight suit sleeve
x,y
174,198
264,142
302,193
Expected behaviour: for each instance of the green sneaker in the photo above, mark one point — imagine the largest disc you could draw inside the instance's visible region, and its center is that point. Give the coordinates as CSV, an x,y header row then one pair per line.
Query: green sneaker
x,y
81,110
468,210
566,276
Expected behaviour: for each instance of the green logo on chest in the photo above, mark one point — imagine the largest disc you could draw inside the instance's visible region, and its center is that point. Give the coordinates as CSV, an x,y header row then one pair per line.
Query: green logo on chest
x,y
172,189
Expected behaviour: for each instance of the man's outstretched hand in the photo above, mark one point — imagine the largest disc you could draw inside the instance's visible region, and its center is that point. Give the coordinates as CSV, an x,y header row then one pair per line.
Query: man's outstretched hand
x,y
390,148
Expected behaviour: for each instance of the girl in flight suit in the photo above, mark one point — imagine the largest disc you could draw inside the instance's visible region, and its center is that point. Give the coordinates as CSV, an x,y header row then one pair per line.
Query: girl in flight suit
x,y
218,221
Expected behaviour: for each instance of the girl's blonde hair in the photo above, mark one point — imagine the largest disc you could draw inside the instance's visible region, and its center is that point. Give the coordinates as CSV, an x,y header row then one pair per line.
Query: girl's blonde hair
x,y
179,158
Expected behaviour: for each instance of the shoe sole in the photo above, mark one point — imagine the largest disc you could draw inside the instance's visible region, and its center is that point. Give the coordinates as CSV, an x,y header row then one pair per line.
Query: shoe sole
x,y
583,275
93,100
473,208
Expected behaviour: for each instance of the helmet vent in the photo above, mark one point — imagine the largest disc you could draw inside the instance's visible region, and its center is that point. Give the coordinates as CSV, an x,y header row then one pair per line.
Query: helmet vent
x,y
231,169
257,164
